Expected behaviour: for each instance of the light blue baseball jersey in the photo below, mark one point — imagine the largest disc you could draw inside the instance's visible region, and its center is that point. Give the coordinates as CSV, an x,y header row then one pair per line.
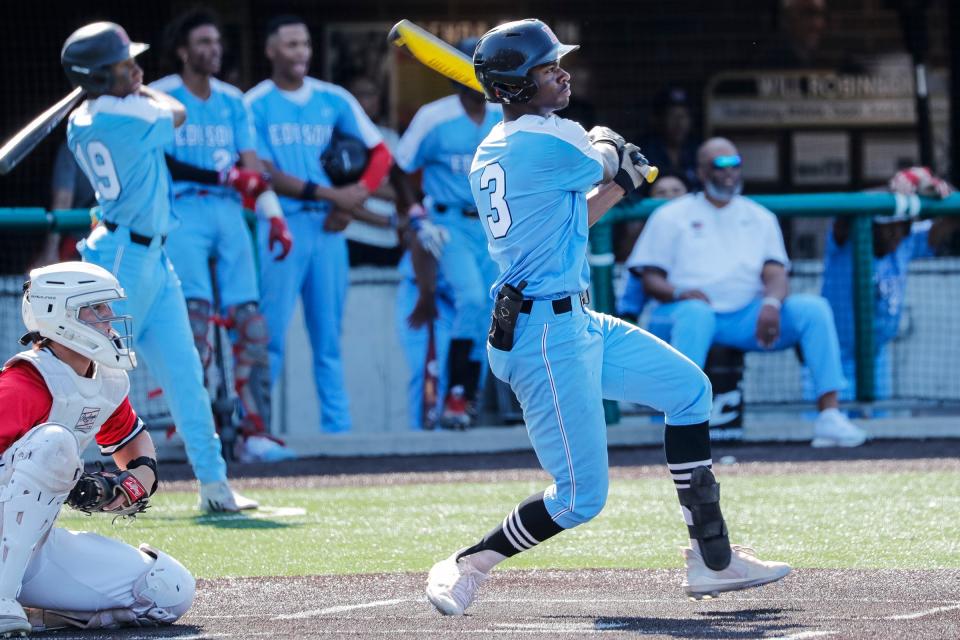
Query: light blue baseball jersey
x,y
293,128
441,140
530,179
890,285
216,130
119,145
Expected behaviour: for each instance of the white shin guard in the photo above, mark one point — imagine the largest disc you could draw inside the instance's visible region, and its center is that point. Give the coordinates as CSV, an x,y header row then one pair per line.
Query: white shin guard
x,y
160,596
44,466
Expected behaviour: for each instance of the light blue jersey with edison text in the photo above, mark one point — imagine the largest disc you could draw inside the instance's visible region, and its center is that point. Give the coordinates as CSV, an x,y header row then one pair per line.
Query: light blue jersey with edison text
x,y
295,127
530,179
216,130
441,140
119,145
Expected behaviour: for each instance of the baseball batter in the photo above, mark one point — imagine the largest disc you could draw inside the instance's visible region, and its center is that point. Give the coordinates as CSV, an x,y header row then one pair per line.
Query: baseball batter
x,y
533,180
217,135
295,118
441,141
69,389
118,136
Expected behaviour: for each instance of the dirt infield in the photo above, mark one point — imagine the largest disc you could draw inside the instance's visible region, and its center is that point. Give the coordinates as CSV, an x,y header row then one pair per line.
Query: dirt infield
x,y
535,605
546,605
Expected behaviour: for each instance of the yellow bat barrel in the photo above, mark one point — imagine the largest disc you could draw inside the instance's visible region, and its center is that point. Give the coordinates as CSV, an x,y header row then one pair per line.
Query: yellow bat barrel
x,y
434,53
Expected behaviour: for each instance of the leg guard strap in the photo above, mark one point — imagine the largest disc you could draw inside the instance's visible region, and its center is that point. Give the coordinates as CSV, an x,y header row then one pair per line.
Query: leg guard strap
x,y
708,528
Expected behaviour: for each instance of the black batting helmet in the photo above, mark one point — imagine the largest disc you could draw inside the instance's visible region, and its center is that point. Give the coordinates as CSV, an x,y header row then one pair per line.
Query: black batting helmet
x,y
506,54
90,51
344,159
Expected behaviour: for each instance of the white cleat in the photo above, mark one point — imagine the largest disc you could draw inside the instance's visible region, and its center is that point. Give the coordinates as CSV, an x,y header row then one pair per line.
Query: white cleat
x,y
744,571
452,585
13,620
218,497
833,429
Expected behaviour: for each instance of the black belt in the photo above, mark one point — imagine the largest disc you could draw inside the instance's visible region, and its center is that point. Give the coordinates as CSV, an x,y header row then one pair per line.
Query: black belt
x,y
560,305
467,213
134,237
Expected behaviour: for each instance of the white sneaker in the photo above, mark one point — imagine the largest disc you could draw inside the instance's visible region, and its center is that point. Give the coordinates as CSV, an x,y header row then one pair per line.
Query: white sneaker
x,y
833,429
262,449
452,585
13,620
219,497
744,571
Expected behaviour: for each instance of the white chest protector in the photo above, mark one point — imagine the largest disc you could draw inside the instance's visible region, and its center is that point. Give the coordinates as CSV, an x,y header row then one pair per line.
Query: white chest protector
x,y
79,404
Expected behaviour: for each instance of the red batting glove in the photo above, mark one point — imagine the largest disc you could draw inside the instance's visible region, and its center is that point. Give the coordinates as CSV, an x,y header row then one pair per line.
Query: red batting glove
x,y
248,183
280,233
920,181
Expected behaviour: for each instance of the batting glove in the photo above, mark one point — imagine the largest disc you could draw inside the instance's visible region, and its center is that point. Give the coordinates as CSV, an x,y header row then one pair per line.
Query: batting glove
x,y
629,176
919,181
607,135
431,237
247,182
280,234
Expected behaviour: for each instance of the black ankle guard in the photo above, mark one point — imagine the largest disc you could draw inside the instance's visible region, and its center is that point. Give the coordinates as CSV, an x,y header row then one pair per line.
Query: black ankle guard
x,y
708,528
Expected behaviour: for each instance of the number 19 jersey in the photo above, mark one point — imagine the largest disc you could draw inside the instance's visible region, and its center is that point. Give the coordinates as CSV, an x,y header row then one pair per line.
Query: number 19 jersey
x,y
119,144
530,179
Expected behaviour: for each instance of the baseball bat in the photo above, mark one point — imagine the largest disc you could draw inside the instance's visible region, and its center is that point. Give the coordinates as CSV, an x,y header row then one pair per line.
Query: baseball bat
x,y
452,63
434,53
17,147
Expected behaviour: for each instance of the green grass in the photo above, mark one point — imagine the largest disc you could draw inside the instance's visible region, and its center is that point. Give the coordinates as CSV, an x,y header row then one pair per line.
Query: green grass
x,y
903,521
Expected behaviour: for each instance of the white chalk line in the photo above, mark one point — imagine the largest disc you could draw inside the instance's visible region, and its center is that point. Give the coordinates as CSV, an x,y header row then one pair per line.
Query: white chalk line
x,y
342,608
922,614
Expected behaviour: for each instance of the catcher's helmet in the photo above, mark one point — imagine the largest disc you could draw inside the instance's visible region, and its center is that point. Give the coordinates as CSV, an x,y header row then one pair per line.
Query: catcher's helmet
x,y
344,159
53,299
90,51
506,54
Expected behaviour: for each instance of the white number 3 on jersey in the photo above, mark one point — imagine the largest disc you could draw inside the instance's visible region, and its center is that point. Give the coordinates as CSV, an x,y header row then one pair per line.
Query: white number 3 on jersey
x,y
498,218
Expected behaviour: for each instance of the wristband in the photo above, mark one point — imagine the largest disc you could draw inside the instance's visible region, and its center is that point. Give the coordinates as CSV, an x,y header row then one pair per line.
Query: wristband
x,y
144,461
770,301
309,191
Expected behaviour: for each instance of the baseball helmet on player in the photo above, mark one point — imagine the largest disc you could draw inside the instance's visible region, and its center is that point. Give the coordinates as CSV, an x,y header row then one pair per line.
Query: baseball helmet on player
x,y
506,54
53,298
90,51
344,159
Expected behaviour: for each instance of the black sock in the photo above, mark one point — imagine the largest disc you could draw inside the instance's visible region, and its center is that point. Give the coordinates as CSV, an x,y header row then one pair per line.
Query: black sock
x,y
686,447
526,526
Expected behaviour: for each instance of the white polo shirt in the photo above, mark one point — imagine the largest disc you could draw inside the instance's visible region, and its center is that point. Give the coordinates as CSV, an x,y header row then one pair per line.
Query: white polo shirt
x,y
720,251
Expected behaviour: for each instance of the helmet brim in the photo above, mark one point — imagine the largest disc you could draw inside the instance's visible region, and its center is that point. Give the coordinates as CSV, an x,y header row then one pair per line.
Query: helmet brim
x,y
564,49
136,48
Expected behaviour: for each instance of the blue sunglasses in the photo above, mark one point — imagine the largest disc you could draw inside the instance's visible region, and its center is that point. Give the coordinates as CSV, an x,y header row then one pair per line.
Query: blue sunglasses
x,y
727,162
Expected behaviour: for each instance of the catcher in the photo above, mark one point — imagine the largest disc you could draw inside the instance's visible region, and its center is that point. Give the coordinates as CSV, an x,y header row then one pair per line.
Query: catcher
x,y
70,388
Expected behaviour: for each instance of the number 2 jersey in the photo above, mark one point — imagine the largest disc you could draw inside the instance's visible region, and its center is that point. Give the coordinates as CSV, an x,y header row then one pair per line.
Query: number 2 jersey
x,y
530,179
119,145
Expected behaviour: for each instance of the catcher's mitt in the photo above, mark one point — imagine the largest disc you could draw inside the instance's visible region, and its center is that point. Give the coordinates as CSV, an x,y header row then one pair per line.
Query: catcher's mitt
x,y
94,491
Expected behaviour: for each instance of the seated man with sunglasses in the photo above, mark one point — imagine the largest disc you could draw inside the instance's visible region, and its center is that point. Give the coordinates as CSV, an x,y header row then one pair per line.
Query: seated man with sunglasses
x,y
717,263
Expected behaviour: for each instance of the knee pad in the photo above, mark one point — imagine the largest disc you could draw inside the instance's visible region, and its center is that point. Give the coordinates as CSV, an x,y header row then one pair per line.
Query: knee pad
x,y
161,596
251,343
45,465
702,500
165,592
252,365
47,459
199,313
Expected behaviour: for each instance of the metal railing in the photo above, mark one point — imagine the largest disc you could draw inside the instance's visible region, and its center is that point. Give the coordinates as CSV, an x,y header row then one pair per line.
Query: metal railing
x,y
861,207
